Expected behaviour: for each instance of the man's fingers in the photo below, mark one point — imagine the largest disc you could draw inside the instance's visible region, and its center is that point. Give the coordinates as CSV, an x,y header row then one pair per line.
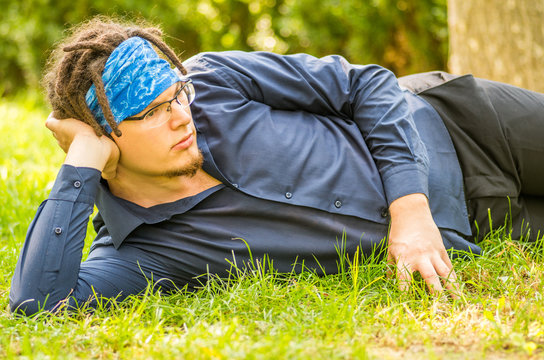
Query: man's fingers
x,y
427,271
449,277
438,274
404,275
432,274
431,277
392,263
445,257
50,122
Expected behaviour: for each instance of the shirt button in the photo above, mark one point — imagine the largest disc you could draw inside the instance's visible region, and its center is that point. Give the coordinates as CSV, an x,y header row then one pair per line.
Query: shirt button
x,y
288,195
385,212
338,203
58,230
77,184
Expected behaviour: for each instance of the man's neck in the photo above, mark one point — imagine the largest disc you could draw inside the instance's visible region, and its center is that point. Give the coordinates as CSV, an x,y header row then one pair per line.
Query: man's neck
x,y
149,191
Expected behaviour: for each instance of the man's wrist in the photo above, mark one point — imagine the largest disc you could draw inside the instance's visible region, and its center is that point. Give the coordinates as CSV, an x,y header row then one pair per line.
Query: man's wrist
x,y
86,151
410,205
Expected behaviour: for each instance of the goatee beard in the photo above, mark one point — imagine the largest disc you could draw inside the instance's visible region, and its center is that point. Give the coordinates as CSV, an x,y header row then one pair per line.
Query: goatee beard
x,y
189,171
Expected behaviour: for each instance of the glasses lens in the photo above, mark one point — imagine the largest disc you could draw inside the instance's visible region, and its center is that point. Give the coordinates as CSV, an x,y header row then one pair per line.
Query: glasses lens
x,y
157,116
187,95
162,113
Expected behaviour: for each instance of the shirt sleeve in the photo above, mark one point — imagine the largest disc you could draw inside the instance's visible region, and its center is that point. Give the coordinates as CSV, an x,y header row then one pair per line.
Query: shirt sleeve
x,y
48,269
368,95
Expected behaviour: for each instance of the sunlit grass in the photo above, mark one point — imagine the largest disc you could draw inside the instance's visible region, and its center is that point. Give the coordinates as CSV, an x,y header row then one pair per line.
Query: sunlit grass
x,y
358,313
28,161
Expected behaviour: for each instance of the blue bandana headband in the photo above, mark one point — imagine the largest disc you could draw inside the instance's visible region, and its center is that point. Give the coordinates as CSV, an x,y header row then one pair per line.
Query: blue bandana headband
x,y
134,75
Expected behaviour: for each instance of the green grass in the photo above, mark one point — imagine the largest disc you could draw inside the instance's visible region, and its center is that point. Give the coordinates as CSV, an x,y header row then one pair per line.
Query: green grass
x,y
357,314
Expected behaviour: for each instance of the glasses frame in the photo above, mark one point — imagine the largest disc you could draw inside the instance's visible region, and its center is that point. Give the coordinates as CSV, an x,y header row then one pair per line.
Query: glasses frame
x,y
186,84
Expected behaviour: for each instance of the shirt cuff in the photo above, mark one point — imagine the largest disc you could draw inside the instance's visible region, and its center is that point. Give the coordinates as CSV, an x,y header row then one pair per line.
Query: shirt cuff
x,y
405,180
77,184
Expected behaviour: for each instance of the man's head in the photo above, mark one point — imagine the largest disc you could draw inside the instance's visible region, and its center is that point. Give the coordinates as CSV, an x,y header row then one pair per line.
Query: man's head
x,y
107,74
106,65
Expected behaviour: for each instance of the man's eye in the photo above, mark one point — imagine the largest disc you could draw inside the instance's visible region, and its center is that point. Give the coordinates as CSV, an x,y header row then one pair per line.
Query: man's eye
x,y
158,111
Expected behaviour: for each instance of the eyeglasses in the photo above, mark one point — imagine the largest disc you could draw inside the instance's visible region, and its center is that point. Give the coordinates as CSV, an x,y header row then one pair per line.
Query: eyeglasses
x,y
161,113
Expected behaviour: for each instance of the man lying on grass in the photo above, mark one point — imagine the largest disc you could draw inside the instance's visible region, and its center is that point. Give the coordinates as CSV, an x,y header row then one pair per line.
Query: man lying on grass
x,y
284,155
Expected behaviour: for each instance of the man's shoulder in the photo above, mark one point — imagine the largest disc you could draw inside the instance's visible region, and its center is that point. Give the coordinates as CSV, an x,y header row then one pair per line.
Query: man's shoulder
x,y
247,60
219,57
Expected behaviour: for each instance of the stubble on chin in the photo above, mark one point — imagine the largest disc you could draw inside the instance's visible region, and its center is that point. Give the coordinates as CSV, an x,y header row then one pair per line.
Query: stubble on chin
x,y
188,170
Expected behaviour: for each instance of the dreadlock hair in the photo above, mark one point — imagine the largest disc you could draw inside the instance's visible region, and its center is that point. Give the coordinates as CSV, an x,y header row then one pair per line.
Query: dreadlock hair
x,y
79,61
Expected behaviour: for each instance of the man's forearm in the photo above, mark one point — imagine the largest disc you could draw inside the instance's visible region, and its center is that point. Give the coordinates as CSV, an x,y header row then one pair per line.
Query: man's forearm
x,y
48,267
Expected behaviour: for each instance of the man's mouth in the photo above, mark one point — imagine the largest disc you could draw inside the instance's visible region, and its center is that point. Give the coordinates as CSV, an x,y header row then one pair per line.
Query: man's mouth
x,y
185,142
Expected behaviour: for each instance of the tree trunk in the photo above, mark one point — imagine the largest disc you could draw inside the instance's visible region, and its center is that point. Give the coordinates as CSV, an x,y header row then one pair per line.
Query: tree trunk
x,y
500,40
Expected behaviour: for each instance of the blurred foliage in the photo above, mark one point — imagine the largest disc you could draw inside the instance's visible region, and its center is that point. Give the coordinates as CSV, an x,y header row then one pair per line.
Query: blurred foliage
x,y
405,36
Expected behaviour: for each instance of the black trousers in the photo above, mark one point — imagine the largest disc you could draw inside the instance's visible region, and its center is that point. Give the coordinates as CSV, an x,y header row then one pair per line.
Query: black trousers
x,y
498,134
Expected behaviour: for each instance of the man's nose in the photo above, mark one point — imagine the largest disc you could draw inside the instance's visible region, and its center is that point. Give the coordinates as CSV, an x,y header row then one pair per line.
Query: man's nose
x,y
181,116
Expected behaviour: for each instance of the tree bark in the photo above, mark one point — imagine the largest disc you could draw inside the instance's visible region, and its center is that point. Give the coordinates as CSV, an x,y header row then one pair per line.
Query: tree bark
x,y
500,40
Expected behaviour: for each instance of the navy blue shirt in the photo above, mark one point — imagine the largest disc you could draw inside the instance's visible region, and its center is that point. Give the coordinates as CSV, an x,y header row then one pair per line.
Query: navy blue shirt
x,y
311,153
322,133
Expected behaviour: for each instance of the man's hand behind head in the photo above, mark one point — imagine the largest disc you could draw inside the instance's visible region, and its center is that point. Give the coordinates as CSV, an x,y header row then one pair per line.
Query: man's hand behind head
x,y
83,147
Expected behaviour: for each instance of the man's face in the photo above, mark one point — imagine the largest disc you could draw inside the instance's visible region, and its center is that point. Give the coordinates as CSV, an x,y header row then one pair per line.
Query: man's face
x,y
166,150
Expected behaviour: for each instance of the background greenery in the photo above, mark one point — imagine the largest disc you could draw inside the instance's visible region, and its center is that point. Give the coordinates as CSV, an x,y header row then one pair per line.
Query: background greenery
x,y
405,36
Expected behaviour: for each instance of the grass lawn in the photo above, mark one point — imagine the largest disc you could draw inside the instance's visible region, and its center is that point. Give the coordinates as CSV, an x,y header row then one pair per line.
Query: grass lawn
x,y
357,314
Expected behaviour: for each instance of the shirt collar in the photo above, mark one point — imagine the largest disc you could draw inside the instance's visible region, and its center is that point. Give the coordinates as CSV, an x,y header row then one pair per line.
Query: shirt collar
x,y
121,217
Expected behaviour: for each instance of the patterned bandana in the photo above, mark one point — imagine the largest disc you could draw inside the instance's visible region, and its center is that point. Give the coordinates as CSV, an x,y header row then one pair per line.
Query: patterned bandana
x,y
133,76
